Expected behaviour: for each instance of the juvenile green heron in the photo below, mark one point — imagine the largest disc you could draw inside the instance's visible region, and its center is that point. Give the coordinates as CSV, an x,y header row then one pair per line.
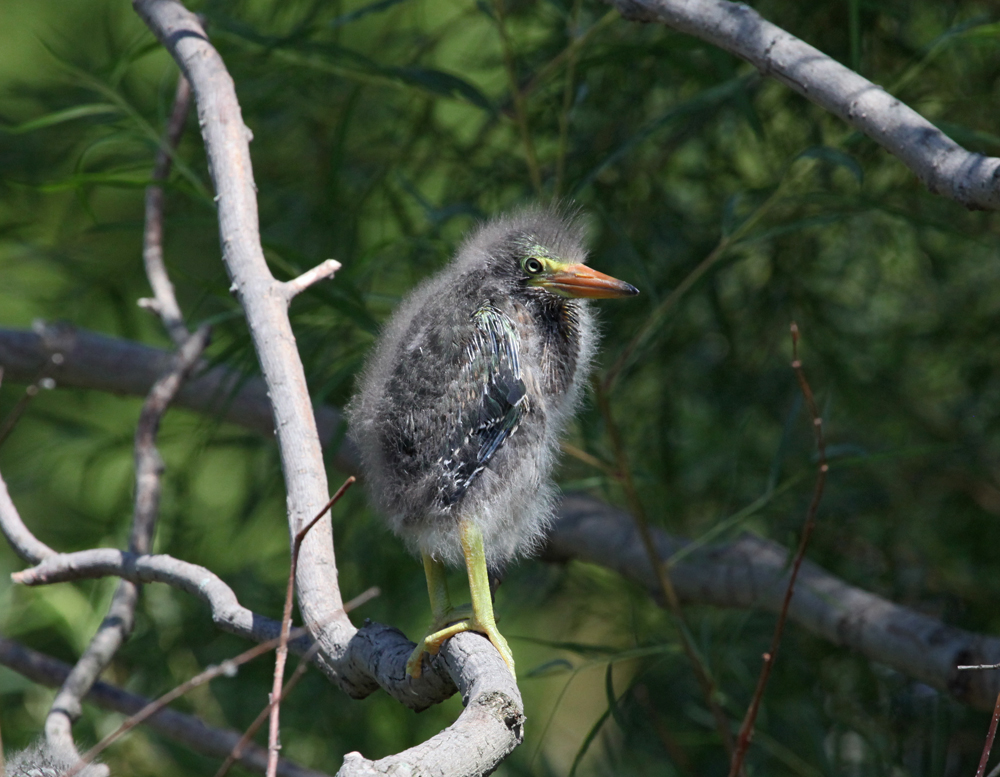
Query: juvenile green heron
x,y
462,402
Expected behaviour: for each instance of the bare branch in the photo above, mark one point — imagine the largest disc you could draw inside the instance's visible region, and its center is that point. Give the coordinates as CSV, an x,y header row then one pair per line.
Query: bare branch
x,y
227,613
320,272
944,166
473,665
94,361
186,729
747,727
752,573
164,302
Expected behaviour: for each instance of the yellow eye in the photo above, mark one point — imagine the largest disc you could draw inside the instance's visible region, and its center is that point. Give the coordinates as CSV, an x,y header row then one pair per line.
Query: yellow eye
x,y
533,266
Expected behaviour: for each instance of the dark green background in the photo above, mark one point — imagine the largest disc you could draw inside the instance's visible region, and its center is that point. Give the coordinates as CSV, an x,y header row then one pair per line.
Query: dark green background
x,y
381,133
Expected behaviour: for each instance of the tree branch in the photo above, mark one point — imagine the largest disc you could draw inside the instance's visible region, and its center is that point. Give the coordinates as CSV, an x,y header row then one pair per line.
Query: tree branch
x,y
471,664
944,166
752,573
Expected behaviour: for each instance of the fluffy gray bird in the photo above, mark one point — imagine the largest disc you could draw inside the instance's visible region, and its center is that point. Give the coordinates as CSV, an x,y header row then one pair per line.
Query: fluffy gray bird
x,y
461,405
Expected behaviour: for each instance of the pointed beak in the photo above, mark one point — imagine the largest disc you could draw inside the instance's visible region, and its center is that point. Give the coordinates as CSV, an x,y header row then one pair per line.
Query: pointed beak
x,y
578,280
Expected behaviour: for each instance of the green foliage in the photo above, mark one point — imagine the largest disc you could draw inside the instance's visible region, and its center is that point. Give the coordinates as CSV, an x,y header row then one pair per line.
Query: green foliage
x,y
381,132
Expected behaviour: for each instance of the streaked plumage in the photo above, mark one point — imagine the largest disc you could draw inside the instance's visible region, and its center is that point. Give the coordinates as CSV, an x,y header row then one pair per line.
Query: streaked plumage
x,y
462,402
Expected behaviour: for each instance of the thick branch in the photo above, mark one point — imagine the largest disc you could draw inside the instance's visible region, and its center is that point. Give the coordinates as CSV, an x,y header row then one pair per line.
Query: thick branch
x,y
944,166
186,729
93,361
752,573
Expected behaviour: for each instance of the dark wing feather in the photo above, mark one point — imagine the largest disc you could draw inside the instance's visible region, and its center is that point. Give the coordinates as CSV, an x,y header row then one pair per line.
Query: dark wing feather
x,y
492,405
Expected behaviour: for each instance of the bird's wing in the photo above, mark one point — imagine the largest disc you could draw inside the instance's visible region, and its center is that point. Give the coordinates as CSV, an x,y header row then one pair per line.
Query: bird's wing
x,y
493,402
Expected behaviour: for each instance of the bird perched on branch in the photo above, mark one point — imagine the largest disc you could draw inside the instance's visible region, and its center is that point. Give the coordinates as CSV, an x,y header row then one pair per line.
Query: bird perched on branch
x,y
461,405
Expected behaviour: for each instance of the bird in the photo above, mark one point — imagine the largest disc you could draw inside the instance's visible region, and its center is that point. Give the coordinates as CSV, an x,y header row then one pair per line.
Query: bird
x,y
461,403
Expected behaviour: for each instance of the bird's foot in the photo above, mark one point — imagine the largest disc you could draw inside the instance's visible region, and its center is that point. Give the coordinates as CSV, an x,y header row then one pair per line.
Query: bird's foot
x,y
436,638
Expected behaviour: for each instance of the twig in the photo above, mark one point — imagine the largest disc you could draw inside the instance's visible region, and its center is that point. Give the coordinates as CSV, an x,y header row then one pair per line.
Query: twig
x,y
979,666
265,713
286,621
164,301
320,272
746,730
117,625
990,736
22,404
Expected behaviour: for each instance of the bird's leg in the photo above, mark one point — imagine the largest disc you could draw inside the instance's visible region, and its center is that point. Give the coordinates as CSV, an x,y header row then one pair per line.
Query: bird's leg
x,y
442,614
482,618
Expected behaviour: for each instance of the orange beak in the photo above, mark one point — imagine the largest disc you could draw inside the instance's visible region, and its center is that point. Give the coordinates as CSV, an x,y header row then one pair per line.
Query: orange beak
x,y
578,280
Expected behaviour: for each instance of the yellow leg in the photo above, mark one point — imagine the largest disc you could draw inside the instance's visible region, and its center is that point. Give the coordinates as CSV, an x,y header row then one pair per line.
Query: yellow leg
x,y
482,618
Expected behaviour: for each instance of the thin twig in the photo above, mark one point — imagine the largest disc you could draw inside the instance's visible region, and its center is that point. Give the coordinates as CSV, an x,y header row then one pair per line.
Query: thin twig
x,y
988,744
164,301
297,675
666,587
286,622
265,713
228,668
746,730
320,272
32,391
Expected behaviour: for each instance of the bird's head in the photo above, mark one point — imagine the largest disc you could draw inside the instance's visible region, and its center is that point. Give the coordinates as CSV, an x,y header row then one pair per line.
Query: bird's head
x,y
541,252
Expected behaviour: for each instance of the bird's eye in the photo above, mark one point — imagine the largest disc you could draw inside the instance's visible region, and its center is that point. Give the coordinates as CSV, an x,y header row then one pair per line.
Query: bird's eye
x,y
533,266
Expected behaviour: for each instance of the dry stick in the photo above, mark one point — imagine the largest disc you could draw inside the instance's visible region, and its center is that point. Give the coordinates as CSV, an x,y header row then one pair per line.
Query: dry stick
x,y
164,302
638,510
30,393
286,622
988,744
746,730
